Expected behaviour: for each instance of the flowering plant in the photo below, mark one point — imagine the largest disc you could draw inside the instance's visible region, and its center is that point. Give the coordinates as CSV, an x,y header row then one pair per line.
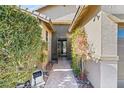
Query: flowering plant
x,y
80,51
80,45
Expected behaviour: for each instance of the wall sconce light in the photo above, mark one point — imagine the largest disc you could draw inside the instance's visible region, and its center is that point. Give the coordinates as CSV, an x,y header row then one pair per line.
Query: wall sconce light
x,y
94,19
97,16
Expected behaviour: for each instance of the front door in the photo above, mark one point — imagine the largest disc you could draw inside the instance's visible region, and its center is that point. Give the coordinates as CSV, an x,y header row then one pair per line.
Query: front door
x,y
62,45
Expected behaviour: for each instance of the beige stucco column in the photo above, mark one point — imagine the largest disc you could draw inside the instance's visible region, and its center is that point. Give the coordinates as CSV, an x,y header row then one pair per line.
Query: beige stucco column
x,y
102,37
109,58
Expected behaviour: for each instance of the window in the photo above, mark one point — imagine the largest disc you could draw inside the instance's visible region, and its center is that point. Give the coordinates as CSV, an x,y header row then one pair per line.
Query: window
x,y
121,33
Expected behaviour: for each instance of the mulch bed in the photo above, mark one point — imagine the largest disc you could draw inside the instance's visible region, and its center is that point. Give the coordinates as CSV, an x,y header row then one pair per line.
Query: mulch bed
x,y
85,83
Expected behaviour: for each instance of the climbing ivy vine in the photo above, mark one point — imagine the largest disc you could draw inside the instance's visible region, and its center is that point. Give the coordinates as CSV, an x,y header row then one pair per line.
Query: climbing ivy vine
x,y
80,49
20,45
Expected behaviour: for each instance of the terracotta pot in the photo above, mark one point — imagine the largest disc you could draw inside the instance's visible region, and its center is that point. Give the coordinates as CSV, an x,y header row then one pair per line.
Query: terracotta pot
x,y
44,64
82,76
49,66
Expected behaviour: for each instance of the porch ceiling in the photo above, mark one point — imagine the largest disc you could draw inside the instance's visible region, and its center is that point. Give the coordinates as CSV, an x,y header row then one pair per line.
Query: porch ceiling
x,y
48,26
117,19
61,22
46,23
44,7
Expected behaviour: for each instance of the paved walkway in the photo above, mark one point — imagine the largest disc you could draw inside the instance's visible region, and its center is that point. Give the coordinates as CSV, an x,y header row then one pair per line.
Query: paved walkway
x,y
61,76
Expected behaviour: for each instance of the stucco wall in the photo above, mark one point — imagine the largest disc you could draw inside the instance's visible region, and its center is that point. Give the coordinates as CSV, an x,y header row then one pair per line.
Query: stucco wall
x,y
113,9
67,17
108,74
44,31
118,11
121,63
109,52
102,35
109,36
59,11
121,59
93,69
93,30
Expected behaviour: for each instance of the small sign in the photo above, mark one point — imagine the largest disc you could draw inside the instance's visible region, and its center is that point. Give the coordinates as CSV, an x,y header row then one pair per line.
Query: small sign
x,y
37,79
37,74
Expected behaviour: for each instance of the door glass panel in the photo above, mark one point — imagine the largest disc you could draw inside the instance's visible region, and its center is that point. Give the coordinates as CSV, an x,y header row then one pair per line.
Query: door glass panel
x,y
59,48
64,47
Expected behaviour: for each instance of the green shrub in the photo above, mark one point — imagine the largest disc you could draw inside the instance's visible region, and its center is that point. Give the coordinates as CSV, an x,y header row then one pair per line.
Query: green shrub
x,y
20,45
80,49
75,66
